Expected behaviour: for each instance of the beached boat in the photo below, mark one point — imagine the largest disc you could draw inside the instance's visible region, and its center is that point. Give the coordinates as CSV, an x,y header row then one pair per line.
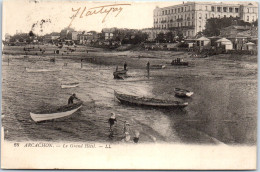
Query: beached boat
x,y
117,76
144,101
120,72
42,70
179,62
70,85
182,92
60,112
176,63
157,66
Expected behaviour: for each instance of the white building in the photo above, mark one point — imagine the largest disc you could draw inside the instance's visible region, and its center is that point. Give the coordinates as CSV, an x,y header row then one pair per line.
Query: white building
x,y
191,17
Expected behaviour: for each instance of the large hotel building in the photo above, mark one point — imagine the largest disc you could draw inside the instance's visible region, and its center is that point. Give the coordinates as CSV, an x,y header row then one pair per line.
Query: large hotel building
x,y
191,17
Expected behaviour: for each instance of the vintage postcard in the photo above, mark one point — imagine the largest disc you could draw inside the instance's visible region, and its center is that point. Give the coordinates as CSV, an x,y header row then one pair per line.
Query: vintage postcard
x,y
129,85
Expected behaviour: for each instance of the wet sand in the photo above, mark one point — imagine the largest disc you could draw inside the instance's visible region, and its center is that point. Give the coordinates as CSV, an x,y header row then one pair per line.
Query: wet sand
x,y
223,108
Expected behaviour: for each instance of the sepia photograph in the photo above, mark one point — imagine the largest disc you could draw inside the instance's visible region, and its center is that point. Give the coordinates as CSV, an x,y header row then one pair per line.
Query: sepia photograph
x,y
150,85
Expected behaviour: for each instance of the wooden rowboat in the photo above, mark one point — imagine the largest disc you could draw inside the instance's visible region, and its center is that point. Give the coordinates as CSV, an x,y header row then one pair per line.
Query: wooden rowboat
x,y
144,101
182,92
117,74
60,112
42,70
70,85
157,66
120,72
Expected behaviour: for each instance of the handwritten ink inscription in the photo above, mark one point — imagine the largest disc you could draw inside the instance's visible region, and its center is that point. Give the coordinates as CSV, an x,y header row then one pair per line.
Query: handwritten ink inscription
x,y
106,10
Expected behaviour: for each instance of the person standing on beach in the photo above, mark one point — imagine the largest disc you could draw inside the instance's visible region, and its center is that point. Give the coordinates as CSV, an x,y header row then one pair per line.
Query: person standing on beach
x,y
148,69
81,63
112,121
126,127
125,66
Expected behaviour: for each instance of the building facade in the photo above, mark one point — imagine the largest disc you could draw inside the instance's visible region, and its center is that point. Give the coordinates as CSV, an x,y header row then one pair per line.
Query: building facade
x,y
87,37
191,17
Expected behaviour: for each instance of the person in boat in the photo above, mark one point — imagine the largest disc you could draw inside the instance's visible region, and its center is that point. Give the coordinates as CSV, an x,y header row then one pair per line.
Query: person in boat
x,y
112,121
125,66
116,68
70,101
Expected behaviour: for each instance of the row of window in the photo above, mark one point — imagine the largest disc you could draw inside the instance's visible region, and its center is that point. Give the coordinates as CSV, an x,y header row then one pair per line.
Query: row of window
x,y
179,10
184,24
224,9
188,23
213,8
188,17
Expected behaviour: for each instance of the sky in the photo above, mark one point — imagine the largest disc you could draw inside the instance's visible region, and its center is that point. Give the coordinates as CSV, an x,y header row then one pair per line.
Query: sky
x,y
21,15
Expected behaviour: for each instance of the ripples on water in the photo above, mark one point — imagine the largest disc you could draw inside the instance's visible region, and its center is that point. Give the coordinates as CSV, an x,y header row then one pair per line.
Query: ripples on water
x,y
25,92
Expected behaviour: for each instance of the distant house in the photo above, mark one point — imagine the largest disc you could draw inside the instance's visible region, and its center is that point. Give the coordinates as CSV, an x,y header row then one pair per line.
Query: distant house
x,y
66,33
87,37
55,35
251,46
73,35
109,33
51,37
202,42
190,42
240,35
225,43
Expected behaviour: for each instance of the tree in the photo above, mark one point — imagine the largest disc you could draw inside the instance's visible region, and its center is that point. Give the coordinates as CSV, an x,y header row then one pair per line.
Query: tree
x,y
180,36
101,36
31,34
139,37
214,25
255,23
160,37
169,36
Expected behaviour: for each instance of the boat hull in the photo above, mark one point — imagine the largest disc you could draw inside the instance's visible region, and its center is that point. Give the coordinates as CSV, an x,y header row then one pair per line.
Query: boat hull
x,y
69,85
180,63
147,103
157,67
41,70
49,116
120,72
